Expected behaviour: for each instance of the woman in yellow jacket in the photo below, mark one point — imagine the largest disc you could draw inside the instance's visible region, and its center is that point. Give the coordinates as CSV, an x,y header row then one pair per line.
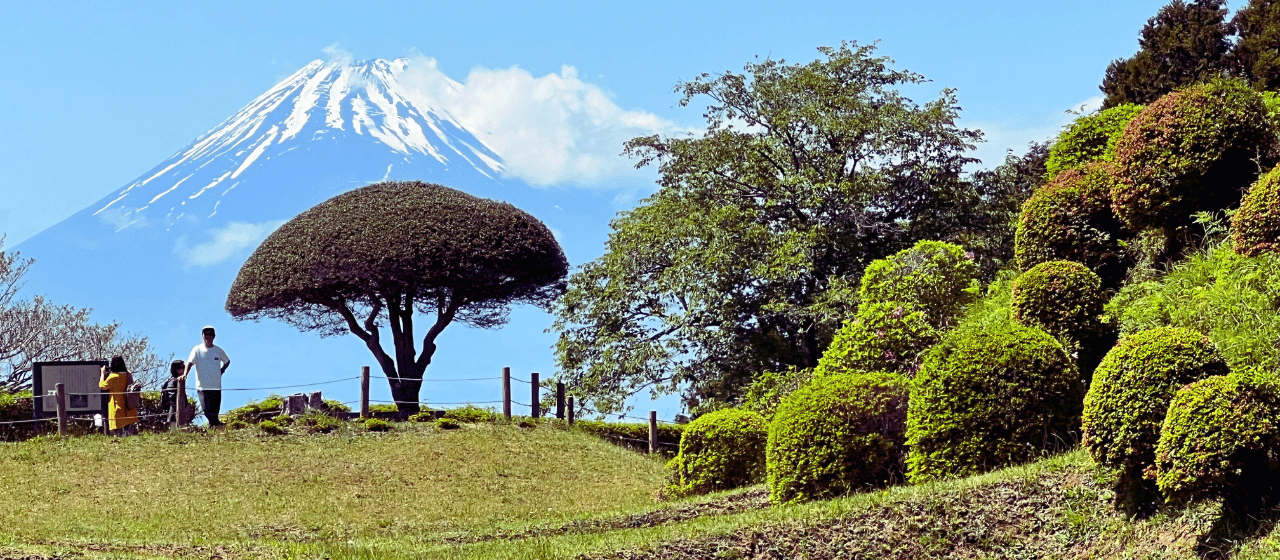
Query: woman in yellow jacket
x,y
123,421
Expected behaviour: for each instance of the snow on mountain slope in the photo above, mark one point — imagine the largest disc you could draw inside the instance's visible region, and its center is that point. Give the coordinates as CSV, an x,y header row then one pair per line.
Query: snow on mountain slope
x,y
320,103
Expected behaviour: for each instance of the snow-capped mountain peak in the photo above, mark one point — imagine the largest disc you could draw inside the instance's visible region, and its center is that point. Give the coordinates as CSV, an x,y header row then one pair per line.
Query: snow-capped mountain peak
x,y
330,111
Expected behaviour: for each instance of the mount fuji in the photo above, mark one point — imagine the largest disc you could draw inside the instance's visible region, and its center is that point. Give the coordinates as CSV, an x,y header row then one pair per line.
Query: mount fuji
x,y
159,254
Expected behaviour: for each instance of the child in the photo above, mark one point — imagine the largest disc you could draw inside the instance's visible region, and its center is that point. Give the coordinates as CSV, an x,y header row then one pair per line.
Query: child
x,y
169,394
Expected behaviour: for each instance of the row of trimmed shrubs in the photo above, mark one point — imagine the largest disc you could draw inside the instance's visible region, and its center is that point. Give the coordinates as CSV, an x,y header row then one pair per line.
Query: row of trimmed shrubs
x,y
903,392
999,394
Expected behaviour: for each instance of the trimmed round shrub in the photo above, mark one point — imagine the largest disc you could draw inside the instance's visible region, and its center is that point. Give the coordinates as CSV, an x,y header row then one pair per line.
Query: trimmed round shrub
x,y
989,398
1070,219
1191,150
1255,227
837,435
1091,137
1063,298
1130,395
1219,439
426,416
377,425
933,277
885,336
719,451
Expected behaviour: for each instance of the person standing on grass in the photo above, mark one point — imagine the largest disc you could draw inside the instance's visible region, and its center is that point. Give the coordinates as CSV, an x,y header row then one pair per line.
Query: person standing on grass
x,y
210,362
121,420
169,394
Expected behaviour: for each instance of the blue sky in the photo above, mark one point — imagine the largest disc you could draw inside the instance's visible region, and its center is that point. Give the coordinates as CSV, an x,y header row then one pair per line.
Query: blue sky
x,y
95,94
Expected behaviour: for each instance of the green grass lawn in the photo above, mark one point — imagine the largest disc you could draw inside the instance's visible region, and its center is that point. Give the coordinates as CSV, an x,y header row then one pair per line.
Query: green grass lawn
x,y
500,491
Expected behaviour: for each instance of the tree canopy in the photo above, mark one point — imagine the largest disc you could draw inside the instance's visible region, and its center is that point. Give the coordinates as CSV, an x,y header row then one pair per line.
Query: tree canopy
x,y
1184,43
1256,53
372,257
804,175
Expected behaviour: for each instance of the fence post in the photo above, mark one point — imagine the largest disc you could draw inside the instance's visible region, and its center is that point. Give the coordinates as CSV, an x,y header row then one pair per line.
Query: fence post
x,y
560,400
653,431
506,393
570,410
535,405
60,395
364,391
180,418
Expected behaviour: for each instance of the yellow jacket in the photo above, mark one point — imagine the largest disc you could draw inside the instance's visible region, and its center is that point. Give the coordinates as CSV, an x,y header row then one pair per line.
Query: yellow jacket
x,y
116,384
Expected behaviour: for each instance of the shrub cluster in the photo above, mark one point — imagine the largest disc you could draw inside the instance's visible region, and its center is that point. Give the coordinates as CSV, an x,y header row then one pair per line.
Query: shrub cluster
x,y
1091,137
1232,298
767,390
883,336
1220,439
1070,219
1255,227
837,435
1130,394
471,414
932,277
1194,149
1066,300
719,451
989,398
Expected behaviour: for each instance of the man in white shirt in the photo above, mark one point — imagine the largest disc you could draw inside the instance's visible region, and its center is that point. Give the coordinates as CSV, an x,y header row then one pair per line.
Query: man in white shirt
x,y
210,362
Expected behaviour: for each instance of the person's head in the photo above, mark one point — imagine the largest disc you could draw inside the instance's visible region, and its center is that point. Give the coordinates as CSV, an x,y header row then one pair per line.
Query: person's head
x,y
177,367
208,333
117,364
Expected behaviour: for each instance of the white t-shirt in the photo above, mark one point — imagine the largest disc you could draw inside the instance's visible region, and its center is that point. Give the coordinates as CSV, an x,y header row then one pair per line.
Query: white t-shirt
x,y
207,364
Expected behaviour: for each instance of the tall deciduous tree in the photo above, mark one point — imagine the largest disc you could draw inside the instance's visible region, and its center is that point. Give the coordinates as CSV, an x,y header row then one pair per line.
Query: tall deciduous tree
x,y
805,174
37,330
1256,53
372,257
1184,43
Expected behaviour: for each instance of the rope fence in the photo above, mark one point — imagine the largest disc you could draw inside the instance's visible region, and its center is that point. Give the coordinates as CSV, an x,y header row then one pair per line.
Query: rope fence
x,y
564,408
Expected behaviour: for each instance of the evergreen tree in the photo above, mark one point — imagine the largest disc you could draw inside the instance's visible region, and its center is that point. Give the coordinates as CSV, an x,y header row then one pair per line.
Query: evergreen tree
x,y
1185,43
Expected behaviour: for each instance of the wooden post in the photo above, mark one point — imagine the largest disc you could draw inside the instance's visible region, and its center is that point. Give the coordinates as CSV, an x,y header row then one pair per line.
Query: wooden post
x,y
364,391
559,400
570,410
180,418
653,431
506,393
535,405
60,395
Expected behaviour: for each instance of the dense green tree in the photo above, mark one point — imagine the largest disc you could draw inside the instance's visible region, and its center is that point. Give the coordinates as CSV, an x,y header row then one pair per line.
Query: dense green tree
x,y
374,256
1001,194
1184,43
1255,56
805,174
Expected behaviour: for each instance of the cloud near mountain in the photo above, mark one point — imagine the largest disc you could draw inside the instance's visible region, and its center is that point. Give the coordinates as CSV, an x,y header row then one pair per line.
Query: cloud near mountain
x,y
227,241
550,129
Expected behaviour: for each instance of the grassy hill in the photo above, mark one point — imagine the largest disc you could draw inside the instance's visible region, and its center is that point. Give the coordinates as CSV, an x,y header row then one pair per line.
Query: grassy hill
x,y
500,491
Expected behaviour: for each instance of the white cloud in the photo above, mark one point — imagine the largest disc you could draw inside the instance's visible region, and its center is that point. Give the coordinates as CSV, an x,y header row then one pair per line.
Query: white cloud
x,y
550,129
1016,133
226,242
337,54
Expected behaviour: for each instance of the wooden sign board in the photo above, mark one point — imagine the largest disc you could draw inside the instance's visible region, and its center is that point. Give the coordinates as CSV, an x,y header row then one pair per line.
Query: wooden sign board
x,y
81,382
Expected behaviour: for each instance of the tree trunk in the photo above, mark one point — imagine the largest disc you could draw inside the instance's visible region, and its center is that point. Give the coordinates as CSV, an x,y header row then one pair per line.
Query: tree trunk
x,y
405,393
